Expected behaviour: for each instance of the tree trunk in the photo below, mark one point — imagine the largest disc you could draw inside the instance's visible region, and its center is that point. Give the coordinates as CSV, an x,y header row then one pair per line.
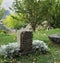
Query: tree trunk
x,y
33,27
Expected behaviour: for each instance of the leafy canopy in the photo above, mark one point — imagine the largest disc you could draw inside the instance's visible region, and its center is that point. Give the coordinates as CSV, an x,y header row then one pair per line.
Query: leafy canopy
x,y
39,10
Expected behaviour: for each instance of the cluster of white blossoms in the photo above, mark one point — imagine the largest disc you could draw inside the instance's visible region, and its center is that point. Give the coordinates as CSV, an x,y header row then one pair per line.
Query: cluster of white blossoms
x,y
40,45
10,48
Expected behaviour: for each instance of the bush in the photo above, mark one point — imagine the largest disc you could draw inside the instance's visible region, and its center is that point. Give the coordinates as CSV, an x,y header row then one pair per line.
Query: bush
x,y
3,31
15,21
40,46
9,50
12,49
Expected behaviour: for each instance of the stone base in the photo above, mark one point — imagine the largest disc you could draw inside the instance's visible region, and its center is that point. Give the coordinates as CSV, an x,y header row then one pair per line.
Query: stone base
x,y
55,38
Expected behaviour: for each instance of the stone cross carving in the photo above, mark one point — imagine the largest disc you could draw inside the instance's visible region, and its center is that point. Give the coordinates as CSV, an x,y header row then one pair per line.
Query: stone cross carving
x,y
24,38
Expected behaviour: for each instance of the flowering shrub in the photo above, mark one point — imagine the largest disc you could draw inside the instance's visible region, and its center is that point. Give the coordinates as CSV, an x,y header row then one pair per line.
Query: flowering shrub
x,y
13,49
9,50
40,46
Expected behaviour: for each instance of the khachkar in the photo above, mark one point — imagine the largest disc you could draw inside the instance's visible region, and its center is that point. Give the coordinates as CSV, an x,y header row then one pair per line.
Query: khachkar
x,y
24,38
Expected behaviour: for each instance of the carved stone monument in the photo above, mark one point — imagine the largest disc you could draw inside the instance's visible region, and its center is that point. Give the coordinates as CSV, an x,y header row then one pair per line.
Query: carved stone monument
x,y
24,38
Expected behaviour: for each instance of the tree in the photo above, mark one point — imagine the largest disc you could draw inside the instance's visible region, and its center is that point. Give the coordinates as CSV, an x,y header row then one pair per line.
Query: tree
x,y
51,12
32,10
38,10
56,15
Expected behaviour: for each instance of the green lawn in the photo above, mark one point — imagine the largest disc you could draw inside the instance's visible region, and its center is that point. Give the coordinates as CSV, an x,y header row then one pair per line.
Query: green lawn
x,y
53,56
7,38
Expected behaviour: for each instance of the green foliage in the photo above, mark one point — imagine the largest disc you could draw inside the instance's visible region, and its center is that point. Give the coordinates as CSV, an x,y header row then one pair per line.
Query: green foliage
x,y
32,10
56,15
51,12
39,10
0,1
14,21
2,10
3,31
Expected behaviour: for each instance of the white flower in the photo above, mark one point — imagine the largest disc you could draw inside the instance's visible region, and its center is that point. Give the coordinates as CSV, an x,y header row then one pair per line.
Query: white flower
x,y
37,44
10,48
7,50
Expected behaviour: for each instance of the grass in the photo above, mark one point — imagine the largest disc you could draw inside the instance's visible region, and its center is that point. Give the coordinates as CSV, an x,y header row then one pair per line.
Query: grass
x,y
53,56
7,38
43,34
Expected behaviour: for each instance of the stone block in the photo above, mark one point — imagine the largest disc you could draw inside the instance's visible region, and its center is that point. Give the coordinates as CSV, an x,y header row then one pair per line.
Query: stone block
x,y
24,38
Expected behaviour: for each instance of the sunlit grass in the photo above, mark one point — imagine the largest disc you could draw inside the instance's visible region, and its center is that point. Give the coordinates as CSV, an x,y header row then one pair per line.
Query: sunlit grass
x,y
7,38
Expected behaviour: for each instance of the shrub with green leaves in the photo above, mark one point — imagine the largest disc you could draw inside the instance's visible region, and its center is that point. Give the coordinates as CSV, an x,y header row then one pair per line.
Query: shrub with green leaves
x,y
15,21
3,31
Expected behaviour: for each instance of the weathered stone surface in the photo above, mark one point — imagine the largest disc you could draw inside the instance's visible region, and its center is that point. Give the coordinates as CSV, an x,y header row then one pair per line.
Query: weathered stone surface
x,y
29,27
55,38
24,38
